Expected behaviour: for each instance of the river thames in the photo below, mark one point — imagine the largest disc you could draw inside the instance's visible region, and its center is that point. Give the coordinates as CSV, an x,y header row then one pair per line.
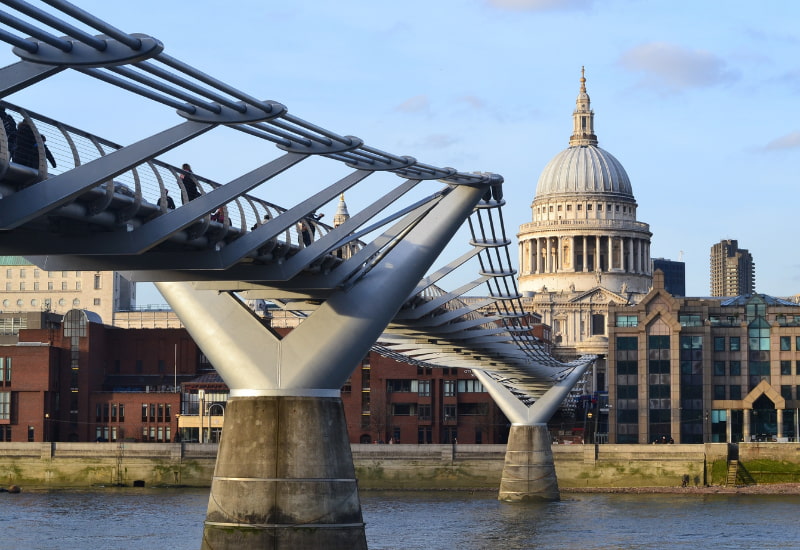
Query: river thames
x,y
133,519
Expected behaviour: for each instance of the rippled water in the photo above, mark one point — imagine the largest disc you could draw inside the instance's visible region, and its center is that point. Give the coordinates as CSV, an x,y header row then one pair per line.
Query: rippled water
x,y
132,519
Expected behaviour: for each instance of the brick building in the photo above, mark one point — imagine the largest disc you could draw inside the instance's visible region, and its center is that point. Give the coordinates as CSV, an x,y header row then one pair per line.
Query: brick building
x,y
85,381
80,380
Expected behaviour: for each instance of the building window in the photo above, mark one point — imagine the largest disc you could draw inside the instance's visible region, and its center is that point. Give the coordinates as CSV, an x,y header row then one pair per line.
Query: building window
x,y
139,366
735,391
424,412
598,324
5,405
786,367
627,321
719,368
449,388
786,343
719,343
424,388
736,368
22,286
22,273
97,282
470,386
5,371
77,285
690,320
97,301
449,413
404,409
734,343
719,392
63,285
425,435
399,386
786,392
35,286
797,343
144,412
31,434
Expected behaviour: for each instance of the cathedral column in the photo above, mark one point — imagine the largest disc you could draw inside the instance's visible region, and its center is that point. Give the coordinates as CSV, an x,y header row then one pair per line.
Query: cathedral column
x,y
630,265
647,269
610,253
543,254
585,255
574,255
597,253
560,254
536,261
639,267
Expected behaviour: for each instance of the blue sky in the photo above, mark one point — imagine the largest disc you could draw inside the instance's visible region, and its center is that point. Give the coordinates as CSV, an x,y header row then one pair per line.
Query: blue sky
x,y
698,100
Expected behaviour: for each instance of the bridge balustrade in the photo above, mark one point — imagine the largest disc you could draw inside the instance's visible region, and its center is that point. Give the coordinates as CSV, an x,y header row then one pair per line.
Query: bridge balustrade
x,y
136,192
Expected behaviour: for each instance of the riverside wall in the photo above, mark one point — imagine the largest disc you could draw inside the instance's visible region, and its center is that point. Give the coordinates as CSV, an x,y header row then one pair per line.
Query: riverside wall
x,y
400,466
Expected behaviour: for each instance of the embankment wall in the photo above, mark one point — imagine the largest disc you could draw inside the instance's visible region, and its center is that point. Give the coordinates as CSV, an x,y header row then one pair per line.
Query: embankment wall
x,y
400,466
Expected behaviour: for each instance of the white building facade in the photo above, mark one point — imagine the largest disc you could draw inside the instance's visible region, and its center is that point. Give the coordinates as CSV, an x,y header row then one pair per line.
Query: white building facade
x,y
584,247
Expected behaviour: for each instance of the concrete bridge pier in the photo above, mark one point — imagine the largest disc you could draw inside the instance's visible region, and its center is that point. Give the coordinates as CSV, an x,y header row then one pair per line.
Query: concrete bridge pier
x,y
529,472
284,477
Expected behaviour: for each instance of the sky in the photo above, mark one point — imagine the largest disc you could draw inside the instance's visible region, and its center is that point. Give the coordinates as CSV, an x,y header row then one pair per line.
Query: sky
x,y
697,100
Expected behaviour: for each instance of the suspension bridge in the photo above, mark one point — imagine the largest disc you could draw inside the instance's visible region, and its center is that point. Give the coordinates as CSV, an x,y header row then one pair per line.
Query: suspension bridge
x,y
284,477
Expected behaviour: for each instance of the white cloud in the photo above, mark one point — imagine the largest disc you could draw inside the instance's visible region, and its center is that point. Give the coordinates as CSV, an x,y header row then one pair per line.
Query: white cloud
x,y
672,68
416,104
473,102
541,5
437,141
789,141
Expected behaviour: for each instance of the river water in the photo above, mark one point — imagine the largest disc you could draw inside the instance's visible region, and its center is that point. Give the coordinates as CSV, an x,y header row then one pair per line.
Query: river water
x,y
172,519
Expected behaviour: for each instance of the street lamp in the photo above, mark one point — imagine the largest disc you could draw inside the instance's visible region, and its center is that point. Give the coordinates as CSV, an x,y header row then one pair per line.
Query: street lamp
x,y
201,396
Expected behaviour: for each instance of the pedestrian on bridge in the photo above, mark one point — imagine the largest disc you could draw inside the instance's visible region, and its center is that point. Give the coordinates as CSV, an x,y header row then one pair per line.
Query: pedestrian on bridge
x,y
189,182
170,204
25,152
10,126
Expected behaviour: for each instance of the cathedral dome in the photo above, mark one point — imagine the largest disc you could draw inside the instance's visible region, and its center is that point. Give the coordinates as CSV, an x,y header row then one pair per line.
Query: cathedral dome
x,y
584,169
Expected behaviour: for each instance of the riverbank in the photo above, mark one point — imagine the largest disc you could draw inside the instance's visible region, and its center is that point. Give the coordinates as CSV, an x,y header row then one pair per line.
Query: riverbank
x,y
763,489
579,468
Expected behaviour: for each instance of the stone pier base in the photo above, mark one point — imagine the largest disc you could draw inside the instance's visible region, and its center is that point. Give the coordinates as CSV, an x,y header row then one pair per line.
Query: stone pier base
x,y
529,472
284,478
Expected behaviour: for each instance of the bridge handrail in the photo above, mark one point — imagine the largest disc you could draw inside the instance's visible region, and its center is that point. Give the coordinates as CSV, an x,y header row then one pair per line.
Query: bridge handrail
x,y
147,182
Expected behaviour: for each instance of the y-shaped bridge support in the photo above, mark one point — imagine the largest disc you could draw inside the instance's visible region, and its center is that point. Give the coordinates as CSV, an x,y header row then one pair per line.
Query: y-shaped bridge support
x,y
284,476
529,472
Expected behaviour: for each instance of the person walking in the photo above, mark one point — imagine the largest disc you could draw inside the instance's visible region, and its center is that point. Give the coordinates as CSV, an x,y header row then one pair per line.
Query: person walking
x,y
10,126
189,182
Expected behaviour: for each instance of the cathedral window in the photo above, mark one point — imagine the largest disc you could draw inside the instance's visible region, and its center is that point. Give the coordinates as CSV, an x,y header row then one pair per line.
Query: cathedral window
x,y
598,324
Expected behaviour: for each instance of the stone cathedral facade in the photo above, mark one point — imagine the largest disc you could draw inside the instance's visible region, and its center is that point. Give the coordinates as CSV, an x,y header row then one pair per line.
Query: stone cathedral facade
x,y
584,248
